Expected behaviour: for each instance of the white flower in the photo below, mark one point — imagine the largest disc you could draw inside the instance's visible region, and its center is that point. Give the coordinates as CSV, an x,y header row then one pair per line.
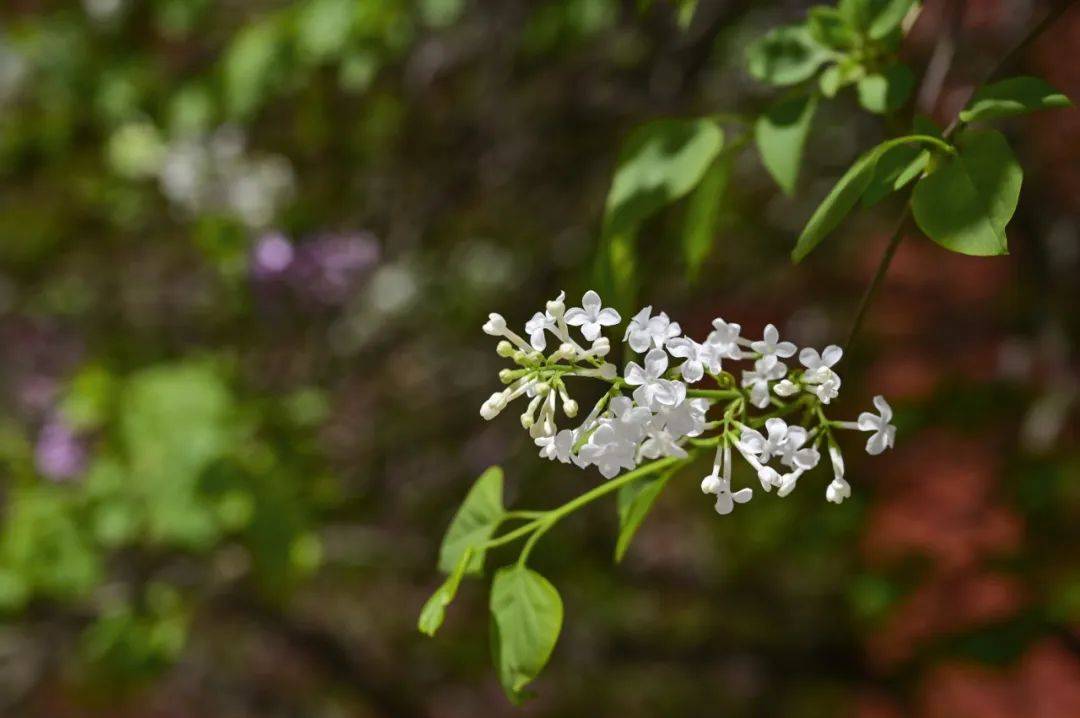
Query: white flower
x,y
495,325
699,357
771,348
652,389
644,331
660,442
786,388
838,489
713,484
556,447
591,316
792,452
758,380
724,338
820,363
884,433
545,320
629,420
687,418
828,388
608,451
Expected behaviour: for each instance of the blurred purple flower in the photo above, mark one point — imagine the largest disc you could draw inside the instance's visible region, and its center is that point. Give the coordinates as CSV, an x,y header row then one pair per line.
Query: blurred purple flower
x,y
60,454
271,256
329,268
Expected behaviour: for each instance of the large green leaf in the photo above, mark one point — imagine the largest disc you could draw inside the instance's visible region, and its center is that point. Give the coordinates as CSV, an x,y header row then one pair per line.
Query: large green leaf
x,y
661,161
966,201
787,56
894,170
635,500
527,614
781,136
434,610
703,213
886,91
476,519
1014,96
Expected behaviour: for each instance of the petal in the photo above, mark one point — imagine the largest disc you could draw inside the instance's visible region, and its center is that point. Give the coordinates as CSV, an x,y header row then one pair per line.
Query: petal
x,y
771,335
876,443
832,355
620,404
608,317
777,429
724,504
743,495
785,349
591,302
640,340
635,375
590,330
656,363
868,422
883,408
810,358
692,371
576,316
679,347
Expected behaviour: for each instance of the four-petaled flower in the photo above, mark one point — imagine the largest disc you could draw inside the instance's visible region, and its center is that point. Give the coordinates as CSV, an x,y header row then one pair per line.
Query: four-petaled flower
x,y
724,338
757,381
557,446
541,322
771,348
591,316
644,331
652,389
884,433
699,357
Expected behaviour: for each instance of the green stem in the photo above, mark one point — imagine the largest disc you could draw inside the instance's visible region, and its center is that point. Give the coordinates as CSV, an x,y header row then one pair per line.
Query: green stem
x,y
715,393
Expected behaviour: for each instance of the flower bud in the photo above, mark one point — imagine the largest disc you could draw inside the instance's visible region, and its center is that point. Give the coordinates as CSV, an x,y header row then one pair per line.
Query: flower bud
x,y
601,347
495,325
608,371
556,308
567,350
570,408
504,349
786,388
520,358
527,420
506,376
710,484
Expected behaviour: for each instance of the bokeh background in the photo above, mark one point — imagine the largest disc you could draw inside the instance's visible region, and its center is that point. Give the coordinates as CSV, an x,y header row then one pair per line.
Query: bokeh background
x,y
245,251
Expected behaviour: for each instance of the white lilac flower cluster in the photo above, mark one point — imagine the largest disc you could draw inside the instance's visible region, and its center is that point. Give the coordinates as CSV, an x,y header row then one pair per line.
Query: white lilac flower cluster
x,y
665,412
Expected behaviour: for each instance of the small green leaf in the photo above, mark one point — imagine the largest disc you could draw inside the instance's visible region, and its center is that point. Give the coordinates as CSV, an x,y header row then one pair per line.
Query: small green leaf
x,y
474,522
894,170
1014,96
527,615
966,201
786,56
843,196
703,213
781,136
886,91
661,161
635,500
434,610
875,18
829,28
840,75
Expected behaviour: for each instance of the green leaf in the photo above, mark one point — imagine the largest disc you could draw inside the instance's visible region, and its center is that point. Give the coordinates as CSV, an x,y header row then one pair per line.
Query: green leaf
x,y
843,196
781,135
894,170
875,18
840,75
635,500
661,161
886,91
1014,96
251,66
527,615
703,213
786,56
829,28
474,522
434,610
966,201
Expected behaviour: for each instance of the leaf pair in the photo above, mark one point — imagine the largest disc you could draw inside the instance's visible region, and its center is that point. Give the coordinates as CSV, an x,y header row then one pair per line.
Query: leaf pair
x,y
526,610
